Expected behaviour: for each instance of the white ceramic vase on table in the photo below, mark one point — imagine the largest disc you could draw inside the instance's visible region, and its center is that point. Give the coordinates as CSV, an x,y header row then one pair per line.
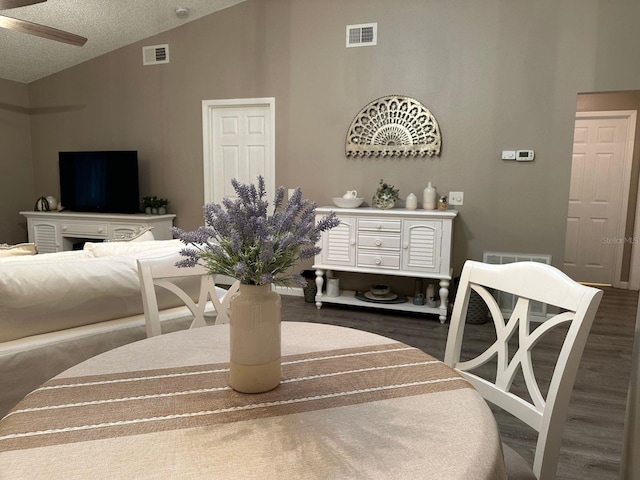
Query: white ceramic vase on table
x,y
255,339
429,198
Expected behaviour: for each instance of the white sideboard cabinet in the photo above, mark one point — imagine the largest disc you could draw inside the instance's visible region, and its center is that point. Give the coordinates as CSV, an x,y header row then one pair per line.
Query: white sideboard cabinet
x,y
409,243
58,231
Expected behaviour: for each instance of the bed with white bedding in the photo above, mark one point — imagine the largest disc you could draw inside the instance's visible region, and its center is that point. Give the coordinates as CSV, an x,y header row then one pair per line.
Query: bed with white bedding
x,y
58,309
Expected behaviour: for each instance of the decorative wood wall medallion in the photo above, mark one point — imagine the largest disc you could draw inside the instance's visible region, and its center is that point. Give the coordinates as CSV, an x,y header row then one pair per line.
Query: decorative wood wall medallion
x,y
394,126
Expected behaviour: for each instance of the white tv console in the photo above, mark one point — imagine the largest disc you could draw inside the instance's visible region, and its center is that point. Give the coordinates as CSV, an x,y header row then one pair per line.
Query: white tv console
x,y
58,231
409,243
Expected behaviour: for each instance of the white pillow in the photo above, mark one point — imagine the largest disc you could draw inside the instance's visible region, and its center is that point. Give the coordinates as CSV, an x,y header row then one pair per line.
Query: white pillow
x,y
154,248
19,249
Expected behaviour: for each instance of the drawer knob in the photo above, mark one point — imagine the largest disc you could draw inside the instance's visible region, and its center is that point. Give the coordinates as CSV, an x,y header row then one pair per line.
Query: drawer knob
x,y
352,242
378,226
100,230
378,261
405,245
378,242
64,228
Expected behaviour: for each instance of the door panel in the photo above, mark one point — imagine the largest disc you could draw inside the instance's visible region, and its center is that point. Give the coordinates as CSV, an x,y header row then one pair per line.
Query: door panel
x,y
238,143
239,147
595,199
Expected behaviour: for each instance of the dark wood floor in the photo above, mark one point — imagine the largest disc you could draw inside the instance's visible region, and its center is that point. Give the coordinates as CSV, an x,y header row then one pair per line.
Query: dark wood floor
x,y
592,440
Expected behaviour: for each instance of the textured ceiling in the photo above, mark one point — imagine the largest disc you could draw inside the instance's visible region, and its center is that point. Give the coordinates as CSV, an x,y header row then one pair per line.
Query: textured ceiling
x,y
108,25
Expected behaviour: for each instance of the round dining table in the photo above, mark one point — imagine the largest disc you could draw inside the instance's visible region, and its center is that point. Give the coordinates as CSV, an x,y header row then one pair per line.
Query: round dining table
x,y
351,405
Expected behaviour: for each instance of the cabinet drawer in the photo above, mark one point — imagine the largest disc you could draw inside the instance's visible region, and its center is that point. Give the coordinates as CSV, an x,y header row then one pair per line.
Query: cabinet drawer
x,y
125,230
379,241
379,224
95,229
378,260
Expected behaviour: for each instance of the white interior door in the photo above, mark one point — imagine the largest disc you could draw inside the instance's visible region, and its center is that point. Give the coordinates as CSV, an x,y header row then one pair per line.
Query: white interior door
x,y
239,142
598,197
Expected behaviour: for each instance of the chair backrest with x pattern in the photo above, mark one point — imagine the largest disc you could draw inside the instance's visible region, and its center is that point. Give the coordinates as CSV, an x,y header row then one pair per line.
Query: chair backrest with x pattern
x,y
163,272
528,282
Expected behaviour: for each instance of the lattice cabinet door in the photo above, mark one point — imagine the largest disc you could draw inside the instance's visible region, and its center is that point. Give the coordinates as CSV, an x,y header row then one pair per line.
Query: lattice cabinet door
x,y
339,243
422,246
46,238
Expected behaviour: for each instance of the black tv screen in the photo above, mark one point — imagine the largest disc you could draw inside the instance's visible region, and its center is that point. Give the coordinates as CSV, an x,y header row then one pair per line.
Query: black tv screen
x,y
99,181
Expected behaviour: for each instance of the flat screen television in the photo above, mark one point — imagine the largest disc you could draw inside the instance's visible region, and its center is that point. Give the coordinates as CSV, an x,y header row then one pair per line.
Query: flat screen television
x,y
99,181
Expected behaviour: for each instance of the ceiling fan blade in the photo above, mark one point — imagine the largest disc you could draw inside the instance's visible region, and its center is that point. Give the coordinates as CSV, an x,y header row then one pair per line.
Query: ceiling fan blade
x,y
41,31
8,4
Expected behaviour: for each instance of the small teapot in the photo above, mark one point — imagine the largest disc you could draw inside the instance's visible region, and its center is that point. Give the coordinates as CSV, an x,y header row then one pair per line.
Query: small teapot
x,y
350,194
42,205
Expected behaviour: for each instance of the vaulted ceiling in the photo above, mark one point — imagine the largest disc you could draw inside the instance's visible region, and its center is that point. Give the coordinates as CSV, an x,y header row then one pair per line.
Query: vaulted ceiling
x,y
107,24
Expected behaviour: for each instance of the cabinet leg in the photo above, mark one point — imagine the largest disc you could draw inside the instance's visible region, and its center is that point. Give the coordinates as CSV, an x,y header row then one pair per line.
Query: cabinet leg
x,y
444,300
319,284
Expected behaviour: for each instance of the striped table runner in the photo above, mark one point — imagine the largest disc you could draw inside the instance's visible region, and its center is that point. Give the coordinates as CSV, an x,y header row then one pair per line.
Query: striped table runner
x,y
78,409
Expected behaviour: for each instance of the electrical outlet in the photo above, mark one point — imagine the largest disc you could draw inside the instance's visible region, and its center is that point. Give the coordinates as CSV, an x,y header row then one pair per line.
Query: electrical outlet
x,y
456,198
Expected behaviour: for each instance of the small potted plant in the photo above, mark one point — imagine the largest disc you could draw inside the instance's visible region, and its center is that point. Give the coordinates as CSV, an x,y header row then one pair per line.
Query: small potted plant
x,y
148,203
161,204
385,196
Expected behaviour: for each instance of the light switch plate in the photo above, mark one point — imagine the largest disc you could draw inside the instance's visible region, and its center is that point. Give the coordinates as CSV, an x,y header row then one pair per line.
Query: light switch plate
x,y
456,198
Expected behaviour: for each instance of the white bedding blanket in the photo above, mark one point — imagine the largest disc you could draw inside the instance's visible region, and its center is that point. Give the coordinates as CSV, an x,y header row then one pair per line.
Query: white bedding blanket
x,y
51,292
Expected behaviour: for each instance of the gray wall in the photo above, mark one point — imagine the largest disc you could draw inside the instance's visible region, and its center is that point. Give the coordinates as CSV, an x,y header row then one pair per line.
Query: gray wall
x,y
16,176
497,74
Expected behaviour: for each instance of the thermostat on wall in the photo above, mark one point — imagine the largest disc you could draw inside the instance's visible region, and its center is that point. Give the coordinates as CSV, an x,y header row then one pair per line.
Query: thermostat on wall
x,y
524,155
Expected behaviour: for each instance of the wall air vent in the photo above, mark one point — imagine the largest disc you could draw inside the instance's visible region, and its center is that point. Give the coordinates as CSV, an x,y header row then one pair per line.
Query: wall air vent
x,y
155,54
363,35
507,301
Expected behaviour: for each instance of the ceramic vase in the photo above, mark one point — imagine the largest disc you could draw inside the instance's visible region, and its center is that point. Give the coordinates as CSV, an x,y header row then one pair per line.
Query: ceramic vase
x,y
255,339
411,203
429,198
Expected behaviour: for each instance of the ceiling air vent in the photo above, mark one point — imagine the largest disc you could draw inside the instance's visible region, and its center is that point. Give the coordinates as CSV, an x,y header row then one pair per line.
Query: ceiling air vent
x,y
155,54
363,35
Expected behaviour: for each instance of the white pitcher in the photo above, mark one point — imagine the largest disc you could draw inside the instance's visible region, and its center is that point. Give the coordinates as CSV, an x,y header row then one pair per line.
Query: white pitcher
x,y
350,194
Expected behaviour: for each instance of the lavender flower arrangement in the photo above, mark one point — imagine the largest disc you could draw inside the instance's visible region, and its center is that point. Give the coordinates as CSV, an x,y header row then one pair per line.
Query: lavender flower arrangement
x,y
242,241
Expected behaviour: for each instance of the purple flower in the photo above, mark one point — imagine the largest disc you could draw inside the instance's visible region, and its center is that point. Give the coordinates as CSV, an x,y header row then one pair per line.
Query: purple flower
x,y
241,240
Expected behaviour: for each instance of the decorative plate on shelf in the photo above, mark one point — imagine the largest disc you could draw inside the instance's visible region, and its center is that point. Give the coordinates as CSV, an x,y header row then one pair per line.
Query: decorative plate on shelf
x,y
365,298
385,297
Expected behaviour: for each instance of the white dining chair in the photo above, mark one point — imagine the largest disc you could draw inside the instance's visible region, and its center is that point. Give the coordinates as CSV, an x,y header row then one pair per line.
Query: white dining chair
x,y
528,282
162,272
